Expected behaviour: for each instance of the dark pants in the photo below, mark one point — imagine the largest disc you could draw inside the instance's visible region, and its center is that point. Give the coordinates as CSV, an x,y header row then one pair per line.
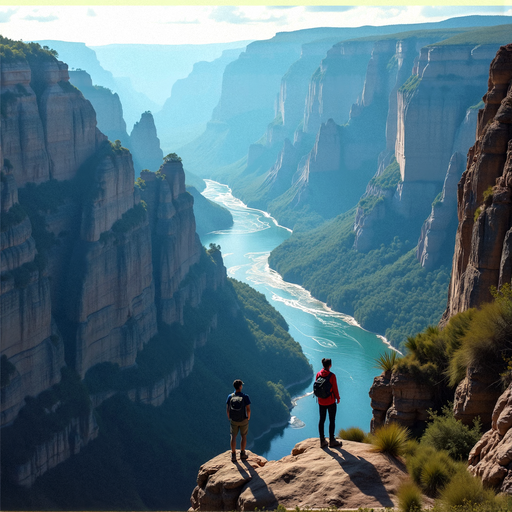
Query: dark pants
x,y
324,409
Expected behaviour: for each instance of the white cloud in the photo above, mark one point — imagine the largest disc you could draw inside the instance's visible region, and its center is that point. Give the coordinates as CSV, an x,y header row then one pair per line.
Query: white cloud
x,y
6,16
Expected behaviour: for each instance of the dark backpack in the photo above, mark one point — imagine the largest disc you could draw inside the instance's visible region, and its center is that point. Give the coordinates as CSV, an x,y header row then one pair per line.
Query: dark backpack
x,y
322,387
236,408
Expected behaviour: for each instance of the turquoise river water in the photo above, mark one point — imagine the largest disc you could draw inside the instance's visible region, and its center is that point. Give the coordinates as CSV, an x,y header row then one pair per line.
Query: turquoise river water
x,y
321,331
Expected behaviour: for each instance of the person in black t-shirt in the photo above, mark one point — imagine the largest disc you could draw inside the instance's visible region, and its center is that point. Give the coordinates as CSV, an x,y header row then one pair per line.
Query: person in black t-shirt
x,y
238,410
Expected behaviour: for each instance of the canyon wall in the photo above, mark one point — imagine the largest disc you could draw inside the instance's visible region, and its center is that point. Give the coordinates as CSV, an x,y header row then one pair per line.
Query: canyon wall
x,y
482,247
145,144
107,105
89,270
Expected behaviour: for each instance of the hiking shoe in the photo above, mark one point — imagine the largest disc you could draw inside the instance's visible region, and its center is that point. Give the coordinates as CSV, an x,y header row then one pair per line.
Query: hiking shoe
x,y
334,442
233,456
243,456
323,442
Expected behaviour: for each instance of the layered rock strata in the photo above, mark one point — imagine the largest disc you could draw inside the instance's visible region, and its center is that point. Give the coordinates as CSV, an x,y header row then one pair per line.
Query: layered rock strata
x,y
482,248
397,397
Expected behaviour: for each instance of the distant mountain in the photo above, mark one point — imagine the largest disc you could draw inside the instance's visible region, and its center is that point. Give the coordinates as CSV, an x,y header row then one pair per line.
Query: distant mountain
x,y
153,68
186,112
79,56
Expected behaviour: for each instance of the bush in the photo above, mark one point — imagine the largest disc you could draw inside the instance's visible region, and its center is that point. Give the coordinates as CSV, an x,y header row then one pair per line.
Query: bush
x,y
391,439
465,490
434,475
354,434
409,497
444,432
486,343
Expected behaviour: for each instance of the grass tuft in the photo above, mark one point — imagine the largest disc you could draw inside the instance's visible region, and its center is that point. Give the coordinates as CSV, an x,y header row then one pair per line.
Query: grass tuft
x,y
354,434
409,497
391,439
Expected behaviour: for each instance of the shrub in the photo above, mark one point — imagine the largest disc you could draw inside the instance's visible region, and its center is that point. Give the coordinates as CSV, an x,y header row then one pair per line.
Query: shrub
x,y
409,497
354,434
435,474
465,490
487,341
172,157
444,432
390,439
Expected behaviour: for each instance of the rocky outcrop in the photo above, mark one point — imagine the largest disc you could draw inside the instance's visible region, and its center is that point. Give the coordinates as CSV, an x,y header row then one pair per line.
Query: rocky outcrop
x,y
398,397
107,105
351,476
482,248
476,396
491,458
145,145
48,128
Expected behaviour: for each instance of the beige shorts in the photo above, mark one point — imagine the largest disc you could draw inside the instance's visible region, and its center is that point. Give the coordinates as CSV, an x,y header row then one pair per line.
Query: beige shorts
x,y
243,426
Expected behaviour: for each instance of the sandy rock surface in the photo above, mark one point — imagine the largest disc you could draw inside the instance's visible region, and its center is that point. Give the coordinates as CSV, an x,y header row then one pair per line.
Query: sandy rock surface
x,y
349,476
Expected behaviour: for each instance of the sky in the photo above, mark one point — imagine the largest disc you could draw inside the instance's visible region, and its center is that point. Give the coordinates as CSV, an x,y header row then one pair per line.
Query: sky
x,y
98,25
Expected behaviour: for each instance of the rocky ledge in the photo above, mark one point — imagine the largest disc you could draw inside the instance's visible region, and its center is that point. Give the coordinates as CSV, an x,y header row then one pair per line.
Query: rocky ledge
x,y
349,476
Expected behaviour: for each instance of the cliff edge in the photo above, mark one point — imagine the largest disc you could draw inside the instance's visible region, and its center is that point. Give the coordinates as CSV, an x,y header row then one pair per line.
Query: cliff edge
x,y
349,476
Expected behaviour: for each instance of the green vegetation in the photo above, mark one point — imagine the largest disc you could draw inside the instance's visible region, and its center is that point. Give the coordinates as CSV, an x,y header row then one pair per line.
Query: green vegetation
x,y
409,497
487,341
446,433
11,50
391,439
410,85
405,298
354,434
389,178
498,35
387,361
131,219
172,157
144,457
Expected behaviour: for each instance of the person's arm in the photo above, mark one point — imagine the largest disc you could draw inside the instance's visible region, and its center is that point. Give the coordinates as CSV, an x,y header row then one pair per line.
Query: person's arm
x,y
335,389
248,411
227,411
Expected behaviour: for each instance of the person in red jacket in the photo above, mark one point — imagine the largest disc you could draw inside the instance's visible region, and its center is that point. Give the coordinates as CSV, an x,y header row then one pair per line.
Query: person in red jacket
x,y
328,405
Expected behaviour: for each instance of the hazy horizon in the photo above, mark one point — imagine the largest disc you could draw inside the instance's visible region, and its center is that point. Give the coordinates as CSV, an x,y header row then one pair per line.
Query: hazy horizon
x,y
170,25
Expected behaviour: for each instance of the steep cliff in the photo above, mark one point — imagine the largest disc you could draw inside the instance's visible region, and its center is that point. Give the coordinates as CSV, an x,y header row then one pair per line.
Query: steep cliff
x,y
145,144
482,249
108,303
107,105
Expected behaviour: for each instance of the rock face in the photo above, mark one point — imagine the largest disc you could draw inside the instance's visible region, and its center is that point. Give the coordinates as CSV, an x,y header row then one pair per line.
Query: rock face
x,y
107,105
145,145
351,476
48,128
428,110
482,249
344,68
397,397
83,259
490,459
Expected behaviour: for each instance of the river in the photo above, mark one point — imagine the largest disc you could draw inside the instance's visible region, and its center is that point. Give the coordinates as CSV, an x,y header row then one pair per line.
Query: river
x,y
320,331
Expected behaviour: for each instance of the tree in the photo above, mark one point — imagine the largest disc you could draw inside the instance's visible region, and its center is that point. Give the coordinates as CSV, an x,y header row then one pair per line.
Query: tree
x,y
172,157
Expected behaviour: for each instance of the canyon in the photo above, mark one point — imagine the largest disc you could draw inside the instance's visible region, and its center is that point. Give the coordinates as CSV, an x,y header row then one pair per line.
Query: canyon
x,y
111,307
